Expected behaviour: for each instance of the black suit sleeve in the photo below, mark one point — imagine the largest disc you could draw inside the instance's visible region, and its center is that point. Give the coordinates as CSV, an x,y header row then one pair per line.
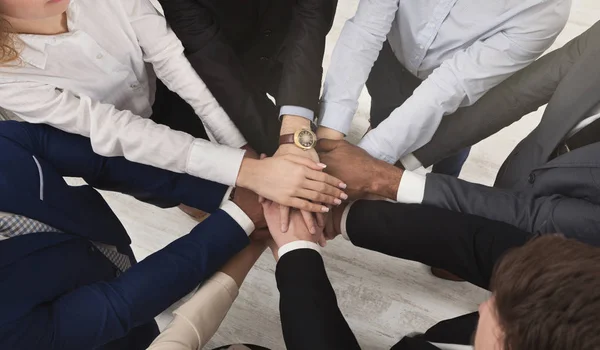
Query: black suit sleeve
x,y
303,57
310,316
216,62
466,245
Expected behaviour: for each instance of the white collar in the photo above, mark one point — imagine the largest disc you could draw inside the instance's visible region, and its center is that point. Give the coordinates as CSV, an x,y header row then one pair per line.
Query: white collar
x,y
34,50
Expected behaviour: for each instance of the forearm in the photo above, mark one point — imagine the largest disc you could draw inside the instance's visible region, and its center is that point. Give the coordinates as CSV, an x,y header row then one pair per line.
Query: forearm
x,y
291,123
198,319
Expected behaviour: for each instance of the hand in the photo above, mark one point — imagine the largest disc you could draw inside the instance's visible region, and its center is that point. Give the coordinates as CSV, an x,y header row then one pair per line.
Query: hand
x,y
261,235
333,224
363,173
248,202
284,211
297,230
291,181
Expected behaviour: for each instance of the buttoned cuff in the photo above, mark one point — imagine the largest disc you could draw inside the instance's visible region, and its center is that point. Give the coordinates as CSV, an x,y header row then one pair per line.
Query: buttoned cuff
x,y
411,189
297,111
343,227
286,248
239,216
214,162
369,144
336,116
410,162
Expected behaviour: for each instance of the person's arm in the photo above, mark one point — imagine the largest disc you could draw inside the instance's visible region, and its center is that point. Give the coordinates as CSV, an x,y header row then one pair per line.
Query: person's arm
x,y
310,316
464,78
301,78
92,315
353,57
522,93
540,214
218,65
164,51
121,133
72,156
197,320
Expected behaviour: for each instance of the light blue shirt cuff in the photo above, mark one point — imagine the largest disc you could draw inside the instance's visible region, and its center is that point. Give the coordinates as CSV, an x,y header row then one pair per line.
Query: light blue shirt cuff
x,y
298,111
336,116
369,144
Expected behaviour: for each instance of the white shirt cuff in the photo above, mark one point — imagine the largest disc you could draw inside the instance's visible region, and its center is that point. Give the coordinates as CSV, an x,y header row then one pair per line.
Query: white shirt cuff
x,y
410,162
215,162
336,116
411,189
239,216
286,248
369,144
297,111
343,227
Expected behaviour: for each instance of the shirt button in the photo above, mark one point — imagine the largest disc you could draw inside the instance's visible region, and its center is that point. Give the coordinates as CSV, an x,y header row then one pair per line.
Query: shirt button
x,y
134,86
268,32
531,179
264,58
99,56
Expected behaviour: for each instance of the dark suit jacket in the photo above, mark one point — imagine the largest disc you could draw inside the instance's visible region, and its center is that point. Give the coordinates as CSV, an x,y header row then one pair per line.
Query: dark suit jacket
x,y
532,191
56,290
245,49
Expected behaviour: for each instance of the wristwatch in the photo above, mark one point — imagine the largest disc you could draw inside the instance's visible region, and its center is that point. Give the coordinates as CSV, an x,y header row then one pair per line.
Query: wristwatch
x,y
303,138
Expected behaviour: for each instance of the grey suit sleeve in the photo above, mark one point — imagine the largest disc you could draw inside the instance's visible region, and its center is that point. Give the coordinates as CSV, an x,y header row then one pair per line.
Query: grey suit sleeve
x,y
573,217
522,93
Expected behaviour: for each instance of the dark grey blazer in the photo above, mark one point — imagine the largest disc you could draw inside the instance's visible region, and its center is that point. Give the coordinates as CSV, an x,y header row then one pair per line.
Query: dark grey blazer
x,y
531,192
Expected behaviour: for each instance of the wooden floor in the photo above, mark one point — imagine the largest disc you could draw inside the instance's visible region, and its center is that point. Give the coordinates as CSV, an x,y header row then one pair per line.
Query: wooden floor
x,y
382,298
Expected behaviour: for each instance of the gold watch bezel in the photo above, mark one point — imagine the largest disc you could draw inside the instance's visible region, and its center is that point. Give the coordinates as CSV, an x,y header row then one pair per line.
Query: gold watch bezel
x,y
297,139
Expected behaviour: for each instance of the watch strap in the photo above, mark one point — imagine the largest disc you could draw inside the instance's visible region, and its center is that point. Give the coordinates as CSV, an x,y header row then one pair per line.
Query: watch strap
x,y
286,139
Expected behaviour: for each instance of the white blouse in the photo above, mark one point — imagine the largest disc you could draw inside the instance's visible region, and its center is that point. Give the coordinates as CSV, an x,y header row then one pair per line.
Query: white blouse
x,y
95,81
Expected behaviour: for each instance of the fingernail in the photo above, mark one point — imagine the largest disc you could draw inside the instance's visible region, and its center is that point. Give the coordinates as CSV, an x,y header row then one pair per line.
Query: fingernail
x,y
313,230
322,165
344,196
283,228
343,185
337,201
325,209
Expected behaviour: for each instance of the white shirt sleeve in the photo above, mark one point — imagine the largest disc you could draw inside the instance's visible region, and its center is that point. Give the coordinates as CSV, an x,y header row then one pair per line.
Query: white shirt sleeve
x,y
164,51
411,189
463,79
355,53
410,162
121,133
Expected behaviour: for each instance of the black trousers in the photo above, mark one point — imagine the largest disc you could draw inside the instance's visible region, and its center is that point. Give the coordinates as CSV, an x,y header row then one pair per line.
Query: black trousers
x,y
390,85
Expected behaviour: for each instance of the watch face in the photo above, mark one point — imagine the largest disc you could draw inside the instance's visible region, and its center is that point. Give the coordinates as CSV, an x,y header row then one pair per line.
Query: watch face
x,y
306,139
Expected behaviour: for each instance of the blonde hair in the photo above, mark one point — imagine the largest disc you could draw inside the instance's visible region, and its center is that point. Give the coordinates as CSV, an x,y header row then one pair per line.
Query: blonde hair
x,y
8,43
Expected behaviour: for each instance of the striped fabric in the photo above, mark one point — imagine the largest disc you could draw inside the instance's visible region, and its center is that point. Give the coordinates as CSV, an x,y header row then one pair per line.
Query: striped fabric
x,y
15,225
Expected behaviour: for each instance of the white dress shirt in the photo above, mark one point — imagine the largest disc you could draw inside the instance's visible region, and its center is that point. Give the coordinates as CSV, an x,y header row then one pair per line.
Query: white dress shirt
x,y
462,48
412,185
94,81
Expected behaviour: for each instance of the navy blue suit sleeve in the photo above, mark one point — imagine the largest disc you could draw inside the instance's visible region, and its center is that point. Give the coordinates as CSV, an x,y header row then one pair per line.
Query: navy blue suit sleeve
x,y
93,315
72,155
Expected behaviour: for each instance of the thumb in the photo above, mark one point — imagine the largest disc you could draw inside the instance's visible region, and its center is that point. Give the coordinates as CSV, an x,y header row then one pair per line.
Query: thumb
x,y
326,145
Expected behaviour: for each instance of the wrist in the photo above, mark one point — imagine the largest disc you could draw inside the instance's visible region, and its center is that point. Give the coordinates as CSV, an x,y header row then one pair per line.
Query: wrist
x,y
247,170
386,185
330,134
291,123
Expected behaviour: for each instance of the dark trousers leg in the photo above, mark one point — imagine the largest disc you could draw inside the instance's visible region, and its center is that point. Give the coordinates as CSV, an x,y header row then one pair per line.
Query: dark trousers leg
x,y
465,245
390,85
